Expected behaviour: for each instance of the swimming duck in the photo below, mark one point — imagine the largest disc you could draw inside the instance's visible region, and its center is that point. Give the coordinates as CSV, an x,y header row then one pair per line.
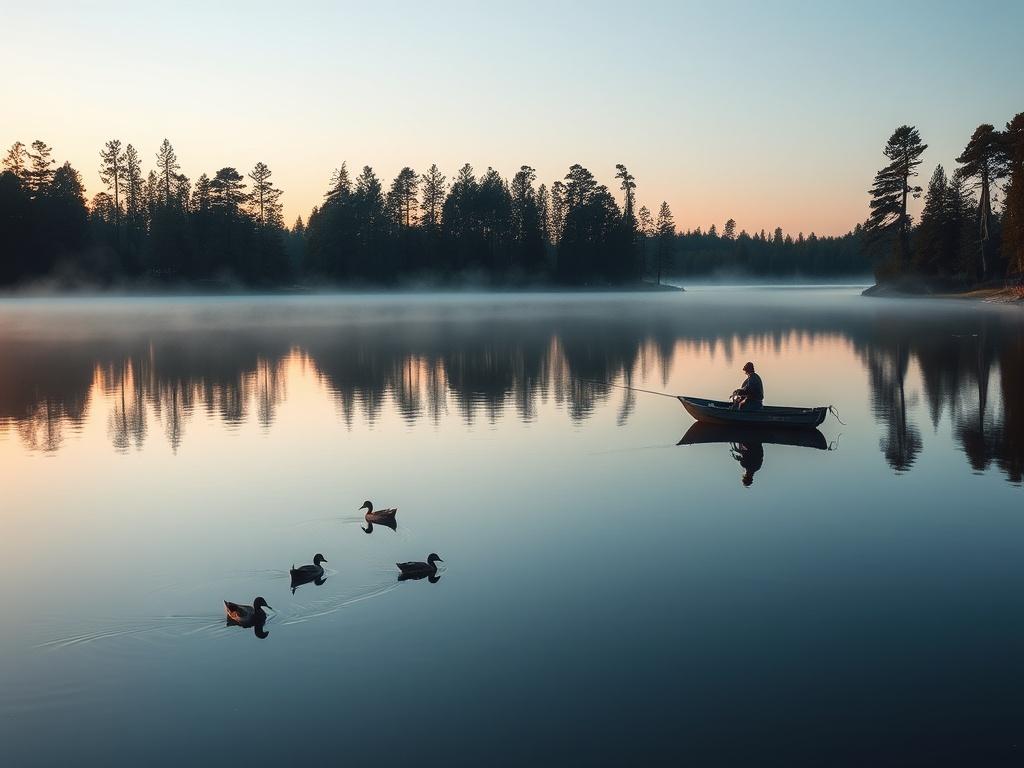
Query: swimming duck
x,y
313,571
414,569
382,516
247,615
308,573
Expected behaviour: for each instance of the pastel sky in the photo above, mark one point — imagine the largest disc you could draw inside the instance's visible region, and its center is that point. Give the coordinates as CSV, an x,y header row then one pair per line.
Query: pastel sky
x,y
770,113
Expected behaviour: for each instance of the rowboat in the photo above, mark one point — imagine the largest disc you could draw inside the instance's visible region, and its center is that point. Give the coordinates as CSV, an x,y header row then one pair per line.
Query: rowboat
x,y
722,412
701,434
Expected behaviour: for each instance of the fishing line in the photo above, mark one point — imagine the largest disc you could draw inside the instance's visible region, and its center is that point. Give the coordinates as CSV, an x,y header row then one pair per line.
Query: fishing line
x,y
632,389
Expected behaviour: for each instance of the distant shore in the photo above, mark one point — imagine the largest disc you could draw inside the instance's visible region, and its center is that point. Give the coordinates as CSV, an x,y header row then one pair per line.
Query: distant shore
x,y
1000,292
227,288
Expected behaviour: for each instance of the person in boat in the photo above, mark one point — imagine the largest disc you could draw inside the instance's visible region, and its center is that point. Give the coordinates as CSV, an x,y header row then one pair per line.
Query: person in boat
x,y
750,395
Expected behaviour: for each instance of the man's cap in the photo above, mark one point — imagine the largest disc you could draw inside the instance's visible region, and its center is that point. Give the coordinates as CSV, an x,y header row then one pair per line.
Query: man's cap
x,y
748,366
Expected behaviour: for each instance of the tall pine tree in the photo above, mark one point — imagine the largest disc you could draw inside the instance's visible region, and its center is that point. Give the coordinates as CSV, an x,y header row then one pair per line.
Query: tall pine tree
x,y
889,219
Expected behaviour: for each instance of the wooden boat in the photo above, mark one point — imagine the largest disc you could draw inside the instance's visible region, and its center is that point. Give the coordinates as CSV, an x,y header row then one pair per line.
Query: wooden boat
x,y
722,412
701,433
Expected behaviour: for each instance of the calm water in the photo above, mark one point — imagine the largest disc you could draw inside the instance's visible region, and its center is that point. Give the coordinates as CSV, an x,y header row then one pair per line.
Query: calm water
x,y
607,596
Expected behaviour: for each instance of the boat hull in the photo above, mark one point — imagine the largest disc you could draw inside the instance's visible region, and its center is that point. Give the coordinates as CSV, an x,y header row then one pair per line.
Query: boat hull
x,y
722,412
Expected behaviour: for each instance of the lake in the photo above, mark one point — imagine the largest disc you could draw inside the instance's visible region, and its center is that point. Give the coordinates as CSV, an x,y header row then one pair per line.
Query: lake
x,y
606,596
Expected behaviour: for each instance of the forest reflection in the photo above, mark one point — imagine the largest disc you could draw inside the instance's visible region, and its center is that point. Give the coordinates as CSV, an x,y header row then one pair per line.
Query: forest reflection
x,y
971,370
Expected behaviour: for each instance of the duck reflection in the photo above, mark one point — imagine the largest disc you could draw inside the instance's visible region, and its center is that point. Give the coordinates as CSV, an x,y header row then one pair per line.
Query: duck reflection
x,y
298,579
248,616
392,524
433,578
746,444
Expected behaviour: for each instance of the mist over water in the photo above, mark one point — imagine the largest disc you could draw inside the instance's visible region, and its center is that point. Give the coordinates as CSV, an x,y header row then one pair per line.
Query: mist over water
x,y
162,455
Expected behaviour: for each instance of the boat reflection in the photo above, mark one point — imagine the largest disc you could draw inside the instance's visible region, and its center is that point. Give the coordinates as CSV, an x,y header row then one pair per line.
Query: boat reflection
x,y
746,444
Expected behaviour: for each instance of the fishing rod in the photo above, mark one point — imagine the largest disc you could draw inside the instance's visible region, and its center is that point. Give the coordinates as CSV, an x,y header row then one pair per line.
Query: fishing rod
x,y
631,389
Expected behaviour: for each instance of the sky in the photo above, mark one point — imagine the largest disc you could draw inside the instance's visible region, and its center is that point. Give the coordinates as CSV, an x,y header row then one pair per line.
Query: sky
x,y
774,114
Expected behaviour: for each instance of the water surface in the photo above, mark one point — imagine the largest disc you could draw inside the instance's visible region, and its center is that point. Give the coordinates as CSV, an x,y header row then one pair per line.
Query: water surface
x,y
607,596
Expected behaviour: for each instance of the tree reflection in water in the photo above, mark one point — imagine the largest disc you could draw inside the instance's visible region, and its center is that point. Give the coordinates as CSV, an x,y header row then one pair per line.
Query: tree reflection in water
x,y
429,362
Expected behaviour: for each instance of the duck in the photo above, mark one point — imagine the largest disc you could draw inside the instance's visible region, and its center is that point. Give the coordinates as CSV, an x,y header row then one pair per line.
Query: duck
x,y
308,573
382,516
419,569
313,571
246,615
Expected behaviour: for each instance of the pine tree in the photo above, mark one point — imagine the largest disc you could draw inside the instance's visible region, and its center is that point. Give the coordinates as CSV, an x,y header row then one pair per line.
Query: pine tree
x,y
556,222
891,189
645,228
16,161
930,233
132,186
40,175
527,229
433,185
544,212
666,228
1013,205
984,161
628,186
264,198
960,210
401,198
227,191
152,194
200,203
181,191
112,162
729,233
167,169
341,186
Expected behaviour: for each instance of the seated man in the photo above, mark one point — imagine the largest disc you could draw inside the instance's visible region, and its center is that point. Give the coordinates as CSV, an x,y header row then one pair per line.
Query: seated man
x,y
750,395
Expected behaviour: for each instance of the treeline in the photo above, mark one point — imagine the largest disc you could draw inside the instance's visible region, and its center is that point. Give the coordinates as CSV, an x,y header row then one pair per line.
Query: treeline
x,y
965,233
155,226
763,254
158,226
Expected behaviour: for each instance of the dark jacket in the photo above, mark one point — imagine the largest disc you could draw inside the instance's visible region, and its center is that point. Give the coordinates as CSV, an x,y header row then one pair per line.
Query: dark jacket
x,y
753,388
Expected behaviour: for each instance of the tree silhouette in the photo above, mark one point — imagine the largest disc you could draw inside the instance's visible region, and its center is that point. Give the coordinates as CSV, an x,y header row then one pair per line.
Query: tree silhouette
x,y
167,165
40,174
227,191
666,228
628,186
401,198
265,199
984,161
112,162
156,225
891,189
1013,216
16,161
527,236
433,185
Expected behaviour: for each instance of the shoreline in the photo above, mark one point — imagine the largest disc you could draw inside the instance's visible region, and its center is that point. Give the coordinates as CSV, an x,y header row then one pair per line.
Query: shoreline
x,y
225,290
992,294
